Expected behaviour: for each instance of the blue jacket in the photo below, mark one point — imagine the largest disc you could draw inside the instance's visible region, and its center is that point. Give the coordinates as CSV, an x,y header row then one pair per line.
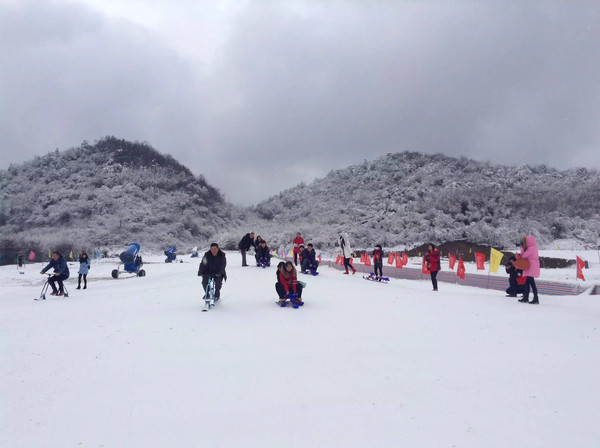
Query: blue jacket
x,y
59,266
84,266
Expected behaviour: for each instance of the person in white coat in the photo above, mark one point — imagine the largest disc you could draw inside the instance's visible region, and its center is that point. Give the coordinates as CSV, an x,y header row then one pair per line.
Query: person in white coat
x,y
346,252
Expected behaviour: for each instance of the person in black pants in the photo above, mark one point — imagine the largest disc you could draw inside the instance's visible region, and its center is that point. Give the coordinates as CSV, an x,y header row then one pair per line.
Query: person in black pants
x,y
213,264
61,273
516,281
433,264
245,244
378,261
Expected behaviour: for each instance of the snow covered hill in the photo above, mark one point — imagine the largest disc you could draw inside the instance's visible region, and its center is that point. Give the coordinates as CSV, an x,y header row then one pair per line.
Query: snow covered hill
x,y
407,198
107,194
134,362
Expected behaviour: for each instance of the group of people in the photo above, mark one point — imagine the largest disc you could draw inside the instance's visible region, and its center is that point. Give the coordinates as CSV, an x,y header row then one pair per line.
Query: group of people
x,y
61,272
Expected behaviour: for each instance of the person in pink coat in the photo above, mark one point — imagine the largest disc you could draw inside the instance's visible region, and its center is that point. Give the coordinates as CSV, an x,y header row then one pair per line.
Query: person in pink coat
x,y
529,251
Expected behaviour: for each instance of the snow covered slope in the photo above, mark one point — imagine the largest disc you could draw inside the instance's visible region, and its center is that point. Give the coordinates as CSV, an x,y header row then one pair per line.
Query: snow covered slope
x,y
134,362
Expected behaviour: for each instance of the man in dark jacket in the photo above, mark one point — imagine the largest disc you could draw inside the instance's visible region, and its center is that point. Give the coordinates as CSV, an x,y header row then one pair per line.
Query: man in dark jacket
x,y
516,280
309,259
245,244
263,253
213,265
61,272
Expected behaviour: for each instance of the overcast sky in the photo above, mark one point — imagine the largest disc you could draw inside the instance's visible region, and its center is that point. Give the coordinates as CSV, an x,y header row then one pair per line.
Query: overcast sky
x,y
260,95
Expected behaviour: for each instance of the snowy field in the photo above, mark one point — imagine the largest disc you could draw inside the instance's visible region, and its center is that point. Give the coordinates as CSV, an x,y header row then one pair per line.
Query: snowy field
x,y
134,362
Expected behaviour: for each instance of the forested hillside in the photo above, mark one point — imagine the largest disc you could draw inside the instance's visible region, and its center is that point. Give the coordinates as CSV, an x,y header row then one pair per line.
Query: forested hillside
x,y
108,194
406,198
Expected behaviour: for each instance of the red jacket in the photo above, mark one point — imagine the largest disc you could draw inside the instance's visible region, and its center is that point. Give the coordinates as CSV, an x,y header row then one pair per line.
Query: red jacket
x,y
433,260
288,282
297,241
377,255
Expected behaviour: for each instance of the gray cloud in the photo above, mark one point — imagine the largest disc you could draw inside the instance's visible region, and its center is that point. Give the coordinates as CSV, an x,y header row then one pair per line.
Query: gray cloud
x,y
297,89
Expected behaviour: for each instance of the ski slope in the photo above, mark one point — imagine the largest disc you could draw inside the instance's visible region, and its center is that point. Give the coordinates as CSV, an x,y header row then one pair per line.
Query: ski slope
x,y
134,362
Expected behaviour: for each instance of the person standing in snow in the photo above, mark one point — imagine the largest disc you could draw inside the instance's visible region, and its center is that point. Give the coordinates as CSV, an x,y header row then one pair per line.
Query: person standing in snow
x,y
529,251
61,273
246,243
298,241
213,265
84,268
346,252
287,282
433,264
378,261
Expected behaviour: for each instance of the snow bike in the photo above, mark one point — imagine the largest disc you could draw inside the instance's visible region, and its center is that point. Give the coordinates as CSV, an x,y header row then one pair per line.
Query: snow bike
x,y
209,294
291,298
47,285
376,278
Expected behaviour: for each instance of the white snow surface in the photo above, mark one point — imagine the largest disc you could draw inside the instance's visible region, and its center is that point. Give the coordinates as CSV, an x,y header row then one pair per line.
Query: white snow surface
x,y
134,362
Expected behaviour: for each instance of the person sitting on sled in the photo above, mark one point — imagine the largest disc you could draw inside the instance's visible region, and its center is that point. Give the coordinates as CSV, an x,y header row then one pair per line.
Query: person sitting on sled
x,y
61,272
287,282
378,261
263,254
309,260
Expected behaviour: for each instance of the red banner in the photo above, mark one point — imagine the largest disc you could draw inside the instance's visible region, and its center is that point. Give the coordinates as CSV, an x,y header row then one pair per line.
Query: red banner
x,y
424,269
480,259
367,260
452,260
339,260
399,263
351,260
319,257
391,257
362,258
460,271
404,259
580,266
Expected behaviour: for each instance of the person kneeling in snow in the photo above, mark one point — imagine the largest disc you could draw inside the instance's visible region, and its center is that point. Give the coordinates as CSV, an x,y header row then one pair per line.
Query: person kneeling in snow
x,y
263,254
516,279
213,265
287,282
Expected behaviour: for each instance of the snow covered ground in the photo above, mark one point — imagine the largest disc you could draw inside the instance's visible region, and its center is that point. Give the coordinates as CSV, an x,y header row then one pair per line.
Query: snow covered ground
x,y
134,362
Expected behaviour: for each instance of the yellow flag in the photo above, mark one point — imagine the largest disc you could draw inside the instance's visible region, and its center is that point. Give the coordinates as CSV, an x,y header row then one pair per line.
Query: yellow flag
x,y
495,259
291,253
49,254
71,255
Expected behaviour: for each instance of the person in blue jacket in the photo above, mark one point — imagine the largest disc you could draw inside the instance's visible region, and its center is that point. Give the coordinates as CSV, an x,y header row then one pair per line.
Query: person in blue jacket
x,y
84,268
61,273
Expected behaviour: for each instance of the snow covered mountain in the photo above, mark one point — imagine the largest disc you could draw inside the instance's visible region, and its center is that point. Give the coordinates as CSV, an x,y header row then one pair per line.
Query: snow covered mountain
x,y
108,194
405,198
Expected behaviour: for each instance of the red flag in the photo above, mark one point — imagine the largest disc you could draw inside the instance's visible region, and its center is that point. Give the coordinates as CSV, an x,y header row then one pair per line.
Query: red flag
x,y
399,263
452,260
391,257
580,266
424,268
362,258
339,260
480,259
351,260
404,259
31,255
460,271
319,257
367,260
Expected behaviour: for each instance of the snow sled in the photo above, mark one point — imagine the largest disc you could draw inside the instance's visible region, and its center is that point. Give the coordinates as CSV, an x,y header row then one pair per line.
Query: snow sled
x,y
310,272
263,263
194,253
376,278
291,299
132,262
171,254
